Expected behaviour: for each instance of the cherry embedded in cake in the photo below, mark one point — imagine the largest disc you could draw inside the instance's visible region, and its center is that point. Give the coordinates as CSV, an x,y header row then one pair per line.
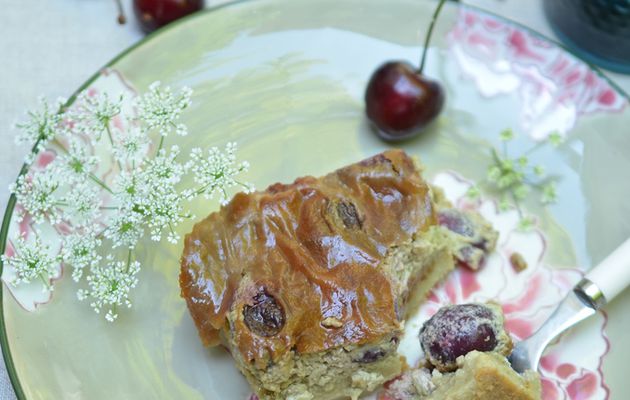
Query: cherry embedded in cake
x,y
475,238
465,348
457,330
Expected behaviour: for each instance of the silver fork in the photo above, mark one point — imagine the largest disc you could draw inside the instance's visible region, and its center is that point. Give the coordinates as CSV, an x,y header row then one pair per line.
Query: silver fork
x,y
600,285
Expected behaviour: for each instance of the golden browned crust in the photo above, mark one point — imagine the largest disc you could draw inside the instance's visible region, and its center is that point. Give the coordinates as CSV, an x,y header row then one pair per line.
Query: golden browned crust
x,y
313,247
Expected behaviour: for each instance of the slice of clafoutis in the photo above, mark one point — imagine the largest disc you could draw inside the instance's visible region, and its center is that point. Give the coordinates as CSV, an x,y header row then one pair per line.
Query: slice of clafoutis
x,y
307,284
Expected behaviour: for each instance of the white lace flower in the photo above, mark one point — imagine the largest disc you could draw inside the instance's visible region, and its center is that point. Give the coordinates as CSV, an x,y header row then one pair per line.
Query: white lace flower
x,y
160,201
145,191
32,260
125,228
132,147
42,126
110,285
160,108
83,203
164,212
164,169
76,162
37,193
126,187
217,172
92,114
151,193
80,252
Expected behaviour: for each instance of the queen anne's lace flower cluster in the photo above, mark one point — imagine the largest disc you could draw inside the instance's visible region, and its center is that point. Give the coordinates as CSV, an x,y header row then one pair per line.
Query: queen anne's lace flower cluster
x,y
32,260
109,286
515,177
76,162
132,147
217,172
93,114
39,196
82,204
41,126
160,108
81,250
105,216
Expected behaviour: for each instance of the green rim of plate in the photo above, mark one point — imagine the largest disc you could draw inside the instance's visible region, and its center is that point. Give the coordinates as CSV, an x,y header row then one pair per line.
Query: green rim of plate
x,y
8,214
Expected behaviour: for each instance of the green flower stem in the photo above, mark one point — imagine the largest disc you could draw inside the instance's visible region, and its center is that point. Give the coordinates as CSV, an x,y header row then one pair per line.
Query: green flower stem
x,y
99,182
109,131
242,184
61,147
517,204
44,281
111,139
128,264
538,185
161,144
201,189
495,157
534,148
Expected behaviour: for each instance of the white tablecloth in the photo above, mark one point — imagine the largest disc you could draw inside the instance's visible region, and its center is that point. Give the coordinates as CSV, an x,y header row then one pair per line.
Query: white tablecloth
x,y
49,48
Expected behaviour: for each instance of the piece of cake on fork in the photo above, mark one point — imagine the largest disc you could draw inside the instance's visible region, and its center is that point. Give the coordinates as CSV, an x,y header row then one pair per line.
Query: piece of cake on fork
x,y
465,348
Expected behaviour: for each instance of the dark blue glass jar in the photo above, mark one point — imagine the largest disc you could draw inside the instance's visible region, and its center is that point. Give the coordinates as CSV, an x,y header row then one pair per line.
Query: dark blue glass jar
x,y
597,30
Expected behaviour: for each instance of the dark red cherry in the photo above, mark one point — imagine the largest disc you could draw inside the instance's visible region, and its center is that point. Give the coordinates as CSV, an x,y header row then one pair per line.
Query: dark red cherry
x,y
400,102
456,221
153,14
472,247
265,316
455,331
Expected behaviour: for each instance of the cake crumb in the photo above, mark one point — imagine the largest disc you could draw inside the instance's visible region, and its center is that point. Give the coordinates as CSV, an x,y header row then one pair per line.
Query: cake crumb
x,y
298,392
369,380
331,322
411,384
422,381
518,262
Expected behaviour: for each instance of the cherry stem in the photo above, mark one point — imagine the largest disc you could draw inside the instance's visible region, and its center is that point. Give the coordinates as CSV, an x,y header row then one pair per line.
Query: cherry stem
x,y
427,39
121,13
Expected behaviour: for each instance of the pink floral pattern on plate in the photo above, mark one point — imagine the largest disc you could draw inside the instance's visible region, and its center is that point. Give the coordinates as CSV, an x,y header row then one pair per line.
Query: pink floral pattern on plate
x,y
554,87
527,297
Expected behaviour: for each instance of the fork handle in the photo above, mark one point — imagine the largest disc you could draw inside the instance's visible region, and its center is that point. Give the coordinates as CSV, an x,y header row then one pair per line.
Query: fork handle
x,y
609,278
